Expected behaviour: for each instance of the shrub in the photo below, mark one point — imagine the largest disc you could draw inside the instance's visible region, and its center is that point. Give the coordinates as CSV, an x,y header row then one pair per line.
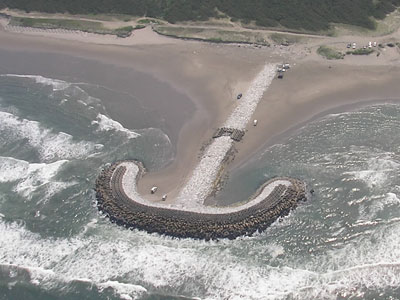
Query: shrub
x,y
362,51
330,53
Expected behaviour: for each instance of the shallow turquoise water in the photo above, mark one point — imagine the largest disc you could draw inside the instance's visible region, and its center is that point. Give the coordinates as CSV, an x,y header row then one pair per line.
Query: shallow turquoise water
x,y
54,139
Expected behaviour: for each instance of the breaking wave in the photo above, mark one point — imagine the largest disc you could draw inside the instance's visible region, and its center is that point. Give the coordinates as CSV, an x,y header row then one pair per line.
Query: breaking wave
x,y
379,168
50,145
342,243
139,264
32,176
56,84
105,123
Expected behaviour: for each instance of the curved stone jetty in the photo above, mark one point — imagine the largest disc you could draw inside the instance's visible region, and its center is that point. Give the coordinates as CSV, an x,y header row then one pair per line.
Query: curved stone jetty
x,y
274,199
117,195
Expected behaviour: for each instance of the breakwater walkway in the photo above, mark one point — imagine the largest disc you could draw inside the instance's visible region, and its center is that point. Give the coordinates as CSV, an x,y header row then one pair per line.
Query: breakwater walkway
x,y
202,180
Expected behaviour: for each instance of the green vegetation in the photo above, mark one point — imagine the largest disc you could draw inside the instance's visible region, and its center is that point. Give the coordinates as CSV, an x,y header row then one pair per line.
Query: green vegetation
x,y
285,39
213,35
82,25
56,23
391,45
126,30
147,21
330,53
383,27
305,15
361,51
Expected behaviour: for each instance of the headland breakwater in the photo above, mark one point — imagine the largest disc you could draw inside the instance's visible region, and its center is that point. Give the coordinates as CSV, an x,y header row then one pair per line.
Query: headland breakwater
x,y
187,216
274,199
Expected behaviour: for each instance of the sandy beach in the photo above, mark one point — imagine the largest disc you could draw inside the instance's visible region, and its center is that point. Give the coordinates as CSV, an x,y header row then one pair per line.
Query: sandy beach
x,y
312,89
208,77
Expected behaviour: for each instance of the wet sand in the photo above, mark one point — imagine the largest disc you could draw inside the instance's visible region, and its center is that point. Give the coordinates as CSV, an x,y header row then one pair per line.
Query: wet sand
x,y
311,89
208,78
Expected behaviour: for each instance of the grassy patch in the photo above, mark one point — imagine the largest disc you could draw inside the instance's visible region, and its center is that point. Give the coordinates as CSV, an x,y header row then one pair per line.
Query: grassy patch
x,y
285,39
361,51
329,53
148,21
68,24
126,30
104,17
388,25
56,23
213,35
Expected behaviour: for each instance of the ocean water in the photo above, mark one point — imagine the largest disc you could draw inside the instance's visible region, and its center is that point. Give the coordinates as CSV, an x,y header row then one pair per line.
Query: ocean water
x,y
55,137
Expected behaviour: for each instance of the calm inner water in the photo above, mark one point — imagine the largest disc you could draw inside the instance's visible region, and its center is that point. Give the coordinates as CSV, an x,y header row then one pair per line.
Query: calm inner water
x,y
55,137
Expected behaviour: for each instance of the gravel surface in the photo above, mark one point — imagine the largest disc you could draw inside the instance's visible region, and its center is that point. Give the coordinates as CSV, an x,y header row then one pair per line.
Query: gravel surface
x,y
248,103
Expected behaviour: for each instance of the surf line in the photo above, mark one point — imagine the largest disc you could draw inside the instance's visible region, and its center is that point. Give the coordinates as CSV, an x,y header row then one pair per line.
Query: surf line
x,y
187,216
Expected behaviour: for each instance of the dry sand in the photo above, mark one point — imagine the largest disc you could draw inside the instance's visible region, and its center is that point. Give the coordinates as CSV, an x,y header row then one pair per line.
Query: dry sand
x,y
212,75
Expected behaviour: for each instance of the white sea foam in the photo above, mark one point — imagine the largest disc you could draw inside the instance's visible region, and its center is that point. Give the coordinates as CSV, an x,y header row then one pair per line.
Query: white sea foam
x,y
380,203
195,267
49,145
105,123
124,290
378,171
56,84
31,177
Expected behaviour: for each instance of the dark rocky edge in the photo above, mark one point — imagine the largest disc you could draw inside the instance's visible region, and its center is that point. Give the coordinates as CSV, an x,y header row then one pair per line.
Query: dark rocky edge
x,y
124,211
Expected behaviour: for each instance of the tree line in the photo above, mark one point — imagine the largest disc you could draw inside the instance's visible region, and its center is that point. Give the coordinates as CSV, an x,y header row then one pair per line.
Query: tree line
x,y
309,15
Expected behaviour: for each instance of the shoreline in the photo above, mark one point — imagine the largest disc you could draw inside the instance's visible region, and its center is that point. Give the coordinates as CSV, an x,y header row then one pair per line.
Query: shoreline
x,y
282,136
212,96
317,98
211,75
